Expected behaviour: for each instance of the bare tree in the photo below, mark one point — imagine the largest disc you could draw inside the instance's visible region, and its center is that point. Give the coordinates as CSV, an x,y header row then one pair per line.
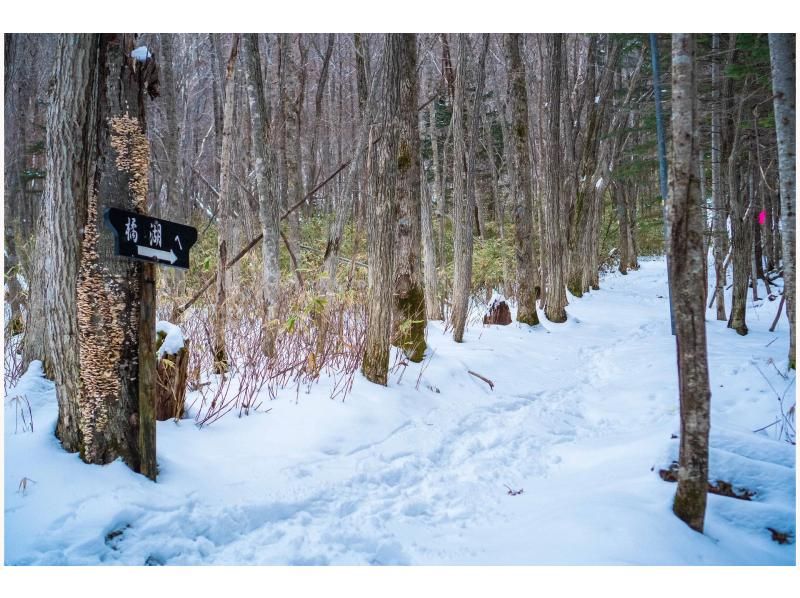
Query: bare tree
x,y
97,156
720,233
382,215
224,217
686,262
782,57
554,242
462,215
523,215
269,212
741,229
410,319
429,255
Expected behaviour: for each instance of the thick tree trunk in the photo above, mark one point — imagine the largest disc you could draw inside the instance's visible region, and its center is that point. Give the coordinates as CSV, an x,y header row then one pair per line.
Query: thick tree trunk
x,y
97,156
382,216
686,262
268,209
409,296
523,220
554,241
72,116
224,214
782,58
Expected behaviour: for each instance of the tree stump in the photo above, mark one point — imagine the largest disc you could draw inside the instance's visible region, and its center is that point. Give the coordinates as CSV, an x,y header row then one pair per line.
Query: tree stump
x,y
171,375
499,312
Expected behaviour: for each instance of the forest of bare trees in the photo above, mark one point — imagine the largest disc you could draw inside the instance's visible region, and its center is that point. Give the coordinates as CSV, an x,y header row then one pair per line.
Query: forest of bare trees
x,y
348,188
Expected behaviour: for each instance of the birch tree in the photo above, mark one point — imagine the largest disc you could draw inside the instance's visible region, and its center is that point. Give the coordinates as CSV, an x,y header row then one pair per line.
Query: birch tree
x,y
269,213
782,58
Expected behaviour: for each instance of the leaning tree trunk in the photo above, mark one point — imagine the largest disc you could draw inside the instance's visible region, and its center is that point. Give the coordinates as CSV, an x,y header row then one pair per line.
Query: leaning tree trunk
x,y
409,297
782,57
224,214
685,248
381,218
268,211
523,216
97,156
718,223
554,241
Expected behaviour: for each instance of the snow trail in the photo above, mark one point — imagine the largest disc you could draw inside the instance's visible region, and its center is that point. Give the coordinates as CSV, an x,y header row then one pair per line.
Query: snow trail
x,y
580,418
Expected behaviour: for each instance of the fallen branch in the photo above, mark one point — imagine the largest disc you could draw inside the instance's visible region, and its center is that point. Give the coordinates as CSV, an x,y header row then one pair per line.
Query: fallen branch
x,y
339,257
489,382
720,487
778,315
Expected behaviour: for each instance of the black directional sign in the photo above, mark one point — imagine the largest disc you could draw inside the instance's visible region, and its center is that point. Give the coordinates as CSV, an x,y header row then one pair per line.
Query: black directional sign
x,y
150,239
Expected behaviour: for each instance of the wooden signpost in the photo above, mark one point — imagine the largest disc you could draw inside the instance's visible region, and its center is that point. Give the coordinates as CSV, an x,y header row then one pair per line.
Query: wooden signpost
x,y
141,237
153,241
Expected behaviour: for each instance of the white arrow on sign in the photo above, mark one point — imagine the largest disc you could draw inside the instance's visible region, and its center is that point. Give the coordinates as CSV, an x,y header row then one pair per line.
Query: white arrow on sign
x,y
157,253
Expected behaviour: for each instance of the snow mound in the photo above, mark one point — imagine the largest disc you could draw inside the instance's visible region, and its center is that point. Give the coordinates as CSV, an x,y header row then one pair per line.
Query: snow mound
x,y
173,342
141,54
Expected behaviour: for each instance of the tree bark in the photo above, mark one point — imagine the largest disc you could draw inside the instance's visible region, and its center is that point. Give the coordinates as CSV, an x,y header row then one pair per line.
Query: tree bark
x,y
72,116
686,262
523,219
314,170
97,156
268,209
741,234
782,58
410,320
462,211
177,206
554,241
381,217
432,308
431,258
719,219
224,217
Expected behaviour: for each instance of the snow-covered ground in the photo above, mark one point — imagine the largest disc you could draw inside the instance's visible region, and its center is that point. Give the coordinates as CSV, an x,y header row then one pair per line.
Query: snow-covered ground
x,y
581,419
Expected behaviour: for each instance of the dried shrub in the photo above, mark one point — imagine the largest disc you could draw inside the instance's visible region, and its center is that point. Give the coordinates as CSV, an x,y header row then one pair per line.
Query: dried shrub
x,y
13,366
316,337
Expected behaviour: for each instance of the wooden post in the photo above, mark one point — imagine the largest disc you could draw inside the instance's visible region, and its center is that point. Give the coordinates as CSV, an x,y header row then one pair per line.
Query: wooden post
x,y
147,372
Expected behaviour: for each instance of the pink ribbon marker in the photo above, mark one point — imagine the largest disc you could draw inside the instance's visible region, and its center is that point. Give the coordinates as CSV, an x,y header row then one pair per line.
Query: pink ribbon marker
x,y
762,217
